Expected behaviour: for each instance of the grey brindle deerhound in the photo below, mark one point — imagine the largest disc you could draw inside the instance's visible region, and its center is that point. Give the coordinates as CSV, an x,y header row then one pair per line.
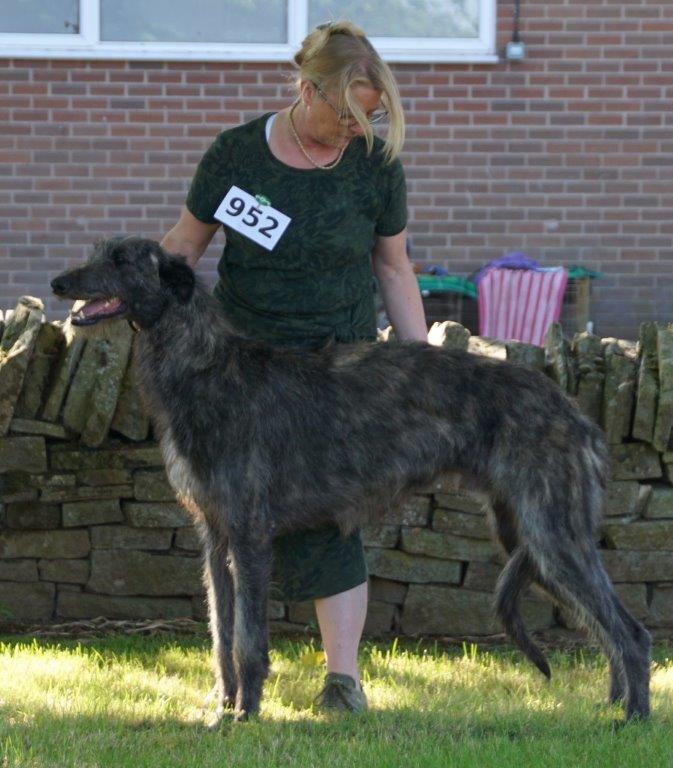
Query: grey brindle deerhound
x,y
260,441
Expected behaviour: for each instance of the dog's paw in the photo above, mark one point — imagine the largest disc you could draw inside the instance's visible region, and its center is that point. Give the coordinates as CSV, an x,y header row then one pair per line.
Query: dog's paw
x,y
220,719
215,696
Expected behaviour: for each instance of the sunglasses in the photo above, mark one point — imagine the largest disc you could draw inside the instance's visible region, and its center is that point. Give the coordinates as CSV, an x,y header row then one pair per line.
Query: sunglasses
x,y
347,117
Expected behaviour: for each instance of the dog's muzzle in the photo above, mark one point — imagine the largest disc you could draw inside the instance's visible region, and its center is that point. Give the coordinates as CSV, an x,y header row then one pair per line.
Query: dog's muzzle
x,y
92,310
96,310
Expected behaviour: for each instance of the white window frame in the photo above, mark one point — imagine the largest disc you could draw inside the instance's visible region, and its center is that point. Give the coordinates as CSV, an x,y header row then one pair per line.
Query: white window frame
x,y
87,44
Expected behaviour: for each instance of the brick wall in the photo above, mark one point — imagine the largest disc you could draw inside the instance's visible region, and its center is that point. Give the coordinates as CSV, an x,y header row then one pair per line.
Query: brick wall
x,y
567,156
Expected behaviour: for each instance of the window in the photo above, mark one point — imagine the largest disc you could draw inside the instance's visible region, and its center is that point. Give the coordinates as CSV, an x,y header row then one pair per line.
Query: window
x,y
205,21
59,17
241,30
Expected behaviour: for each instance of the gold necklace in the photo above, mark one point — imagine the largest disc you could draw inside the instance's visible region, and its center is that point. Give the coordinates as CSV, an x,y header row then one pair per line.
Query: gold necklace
x,y
327,167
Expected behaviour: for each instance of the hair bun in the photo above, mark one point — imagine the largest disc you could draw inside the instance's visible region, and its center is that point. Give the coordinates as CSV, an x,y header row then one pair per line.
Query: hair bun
x,y
316,40
341,27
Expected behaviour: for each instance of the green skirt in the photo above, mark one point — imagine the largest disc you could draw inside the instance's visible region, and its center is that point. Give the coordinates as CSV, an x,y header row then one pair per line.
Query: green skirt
x,y
316,563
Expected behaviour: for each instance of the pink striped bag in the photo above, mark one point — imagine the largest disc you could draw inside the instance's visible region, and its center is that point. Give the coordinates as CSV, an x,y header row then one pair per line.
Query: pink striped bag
x,y
520,304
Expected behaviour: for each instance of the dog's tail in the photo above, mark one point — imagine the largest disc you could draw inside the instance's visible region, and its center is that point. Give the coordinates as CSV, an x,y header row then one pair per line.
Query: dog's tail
x,y
573,509
515,577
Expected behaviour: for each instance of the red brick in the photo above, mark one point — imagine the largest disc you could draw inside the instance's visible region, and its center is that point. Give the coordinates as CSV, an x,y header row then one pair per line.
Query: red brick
x,y
578,134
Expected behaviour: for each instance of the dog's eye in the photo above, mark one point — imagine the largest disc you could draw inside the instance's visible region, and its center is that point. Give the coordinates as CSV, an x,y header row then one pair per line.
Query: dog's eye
x,y
119,258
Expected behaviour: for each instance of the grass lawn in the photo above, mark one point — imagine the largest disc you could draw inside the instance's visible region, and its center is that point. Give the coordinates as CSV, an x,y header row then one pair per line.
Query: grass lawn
x,y
139,702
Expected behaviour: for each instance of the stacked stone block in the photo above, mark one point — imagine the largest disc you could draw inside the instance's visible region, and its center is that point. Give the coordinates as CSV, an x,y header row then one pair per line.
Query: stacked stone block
x,y
90,527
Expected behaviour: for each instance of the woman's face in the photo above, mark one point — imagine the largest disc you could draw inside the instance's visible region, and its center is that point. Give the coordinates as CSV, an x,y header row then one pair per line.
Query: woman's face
x,y
324,122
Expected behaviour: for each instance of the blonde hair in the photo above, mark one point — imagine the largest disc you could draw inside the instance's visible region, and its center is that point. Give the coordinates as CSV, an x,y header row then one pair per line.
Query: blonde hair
x,y
339,56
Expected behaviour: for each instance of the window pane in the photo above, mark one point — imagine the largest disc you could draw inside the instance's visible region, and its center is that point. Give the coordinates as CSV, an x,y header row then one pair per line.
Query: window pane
x,y
402,18
194,21
59,17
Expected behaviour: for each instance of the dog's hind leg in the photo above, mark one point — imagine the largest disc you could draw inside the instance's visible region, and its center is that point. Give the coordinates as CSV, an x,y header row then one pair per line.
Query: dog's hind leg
x,y
617,693
618,674
579,579
219,585
251,568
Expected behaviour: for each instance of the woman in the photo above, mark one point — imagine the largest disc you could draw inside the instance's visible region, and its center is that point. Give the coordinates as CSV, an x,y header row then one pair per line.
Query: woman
x,y
311,201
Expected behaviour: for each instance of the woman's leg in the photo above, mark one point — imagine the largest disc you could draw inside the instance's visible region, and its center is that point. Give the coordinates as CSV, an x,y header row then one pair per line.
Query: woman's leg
x,y
342,618
324,566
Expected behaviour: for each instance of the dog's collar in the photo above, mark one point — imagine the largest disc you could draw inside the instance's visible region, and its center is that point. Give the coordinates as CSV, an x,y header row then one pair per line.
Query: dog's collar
x,y
134,326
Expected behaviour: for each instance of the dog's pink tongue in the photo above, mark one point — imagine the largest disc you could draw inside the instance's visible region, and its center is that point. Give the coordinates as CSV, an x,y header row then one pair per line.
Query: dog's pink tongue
x,y
99,307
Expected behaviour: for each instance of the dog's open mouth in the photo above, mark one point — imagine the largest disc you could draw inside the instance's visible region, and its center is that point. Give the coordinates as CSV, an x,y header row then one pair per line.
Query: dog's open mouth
x,y
95,310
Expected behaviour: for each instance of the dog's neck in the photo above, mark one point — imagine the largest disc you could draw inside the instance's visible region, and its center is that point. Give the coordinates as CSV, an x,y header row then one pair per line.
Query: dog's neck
x,y
196,330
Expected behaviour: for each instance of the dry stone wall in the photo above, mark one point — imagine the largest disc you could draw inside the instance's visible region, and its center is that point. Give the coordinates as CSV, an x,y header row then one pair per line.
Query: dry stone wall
x,y
90,527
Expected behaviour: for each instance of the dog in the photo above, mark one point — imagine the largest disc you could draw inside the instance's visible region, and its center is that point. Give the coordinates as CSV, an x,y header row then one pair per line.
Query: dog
x,y
259,441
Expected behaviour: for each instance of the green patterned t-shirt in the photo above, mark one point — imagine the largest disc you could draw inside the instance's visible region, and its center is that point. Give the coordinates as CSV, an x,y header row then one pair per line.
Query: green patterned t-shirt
x,y
316,283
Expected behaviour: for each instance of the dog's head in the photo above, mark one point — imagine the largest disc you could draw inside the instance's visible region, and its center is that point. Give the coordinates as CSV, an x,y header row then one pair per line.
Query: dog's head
x,y
127,277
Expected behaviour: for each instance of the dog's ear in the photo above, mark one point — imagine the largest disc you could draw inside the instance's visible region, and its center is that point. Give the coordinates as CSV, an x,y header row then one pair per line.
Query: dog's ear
x,y
178,276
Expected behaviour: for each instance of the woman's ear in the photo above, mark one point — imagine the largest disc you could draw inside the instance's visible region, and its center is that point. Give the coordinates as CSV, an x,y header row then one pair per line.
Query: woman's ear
x,y
306,93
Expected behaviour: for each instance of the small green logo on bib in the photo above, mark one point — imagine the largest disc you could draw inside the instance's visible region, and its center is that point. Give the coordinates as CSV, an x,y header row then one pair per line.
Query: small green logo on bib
x,y
262,200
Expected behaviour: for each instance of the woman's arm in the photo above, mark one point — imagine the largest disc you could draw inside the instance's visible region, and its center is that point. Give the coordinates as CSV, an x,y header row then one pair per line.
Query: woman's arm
x,y
399,287
189,237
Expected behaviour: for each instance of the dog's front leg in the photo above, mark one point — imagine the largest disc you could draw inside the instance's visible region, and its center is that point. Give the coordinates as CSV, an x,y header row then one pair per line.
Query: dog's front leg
x,y
219,585
251,570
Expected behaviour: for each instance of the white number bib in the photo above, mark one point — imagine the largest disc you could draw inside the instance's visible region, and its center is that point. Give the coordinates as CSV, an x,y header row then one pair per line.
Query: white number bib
x,y
261,223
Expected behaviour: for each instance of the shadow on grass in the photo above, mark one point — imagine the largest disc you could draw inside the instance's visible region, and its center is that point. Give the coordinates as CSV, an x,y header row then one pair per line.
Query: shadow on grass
x,y
498,711
65,740
401,736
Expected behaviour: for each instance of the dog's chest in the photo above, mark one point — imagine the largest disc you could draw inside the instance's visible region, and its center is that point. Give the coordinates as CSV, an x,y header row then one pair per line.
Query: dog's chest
x,y
180,475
